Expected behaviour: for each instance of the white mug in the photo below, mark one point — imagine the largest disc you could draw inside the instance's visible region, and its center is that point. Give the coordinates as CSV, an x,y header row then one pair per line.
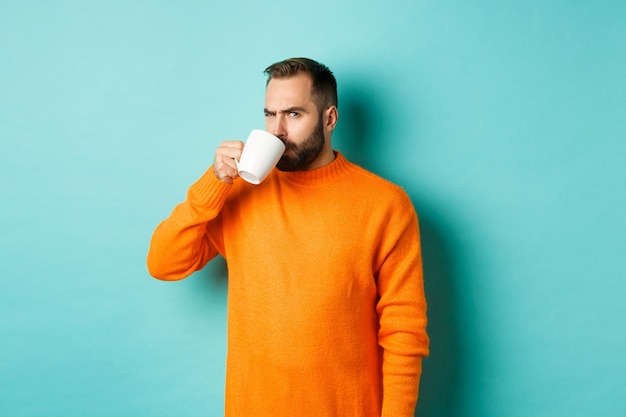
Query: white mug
x,y
261,153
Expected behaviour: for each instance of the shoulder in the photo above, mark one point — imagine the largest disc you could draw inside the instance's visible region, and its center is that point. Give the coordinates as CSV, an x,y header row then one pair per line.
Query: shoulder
x,y
376,186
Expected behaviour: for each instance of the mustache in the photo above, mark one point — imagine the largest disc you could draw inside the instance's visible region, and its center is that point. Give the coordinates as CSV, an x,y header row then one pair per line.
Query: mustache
x,y
289,145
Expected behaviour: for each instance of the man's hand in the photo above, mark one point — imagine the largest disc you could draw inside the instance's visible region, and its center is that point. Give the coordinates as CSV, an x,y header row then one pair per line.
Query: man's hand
x,y
224,166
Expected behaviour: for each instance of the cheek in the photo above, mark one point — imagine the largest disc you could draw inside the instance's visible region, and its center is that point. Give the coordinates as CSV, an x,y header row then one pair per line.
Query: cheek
x,y
303,129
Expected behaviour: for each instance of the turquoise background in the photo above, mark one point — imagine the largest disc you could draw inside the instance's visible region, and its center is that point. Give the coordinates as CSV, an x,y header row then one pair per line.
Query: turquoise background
x,y
504,121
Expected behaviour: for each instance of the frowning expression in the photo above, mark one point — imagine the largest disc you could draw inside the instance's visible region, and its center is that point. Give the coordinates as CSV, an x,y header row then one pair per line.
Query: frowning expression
x,y
292,115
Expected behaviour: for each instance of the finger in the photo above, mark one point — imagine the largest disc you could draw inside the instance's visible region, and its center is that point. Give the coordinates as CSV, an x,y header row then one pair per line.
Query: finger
x,y
230,149
224,166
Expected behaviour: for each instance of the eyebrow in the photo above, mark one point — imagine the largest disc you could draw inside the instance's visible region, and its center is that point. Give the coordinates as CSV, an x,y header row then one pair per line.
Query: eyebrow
x,y
288,110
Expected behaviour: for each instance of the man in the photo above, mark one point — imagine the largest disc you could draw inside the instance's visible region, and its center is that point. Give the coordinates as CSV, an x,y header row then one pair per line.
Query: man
x,y
326,308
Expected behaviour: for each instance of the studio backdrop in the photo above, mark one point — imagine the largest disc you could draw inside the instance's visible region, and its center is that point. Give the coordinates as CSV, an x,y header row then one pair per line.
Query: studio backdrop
x,y
503,121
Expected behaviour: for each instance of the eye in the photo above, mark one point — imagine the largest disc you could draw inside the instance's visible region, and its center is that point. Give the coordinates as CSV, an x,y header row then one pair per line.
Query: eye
x,y
294,114
268,114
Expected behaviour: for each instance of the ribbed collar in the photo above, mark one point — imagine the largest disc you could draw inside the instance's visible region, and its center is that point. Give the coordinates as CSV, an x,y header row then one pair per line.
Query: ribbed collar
x,y
319,176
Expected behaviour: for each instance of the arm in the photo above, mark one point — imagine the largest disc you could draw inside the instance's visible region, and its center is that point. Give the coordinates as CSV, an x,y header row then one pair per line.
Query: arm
x,y
180,244
402,313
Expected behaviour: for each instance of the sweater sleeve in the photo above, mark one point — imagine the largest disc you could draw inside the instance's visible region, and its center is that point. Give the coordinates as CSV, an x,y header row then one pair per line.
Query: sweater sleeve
x,y
180,244
402,312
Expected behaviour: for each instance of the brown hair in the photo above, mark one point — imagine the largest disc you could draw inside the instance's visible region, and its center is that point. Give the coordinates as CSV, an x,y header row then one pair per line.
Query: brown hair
x,y
324,82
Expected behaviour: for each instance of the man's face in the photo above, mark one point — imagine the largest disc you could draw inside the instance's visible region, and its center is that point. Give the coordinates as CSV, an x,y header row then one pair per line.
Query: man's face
x,y
293,116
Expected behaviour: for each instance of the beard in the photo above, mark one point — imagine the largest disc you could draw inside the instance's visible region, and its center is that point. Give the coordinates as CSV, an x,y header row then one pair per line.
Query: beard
x,y
303,154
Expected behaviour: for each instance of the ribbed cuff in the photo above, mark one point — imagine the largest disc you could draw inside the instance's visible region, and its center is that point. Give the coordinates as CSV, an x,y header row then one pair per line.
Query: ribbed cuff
x,y
208,192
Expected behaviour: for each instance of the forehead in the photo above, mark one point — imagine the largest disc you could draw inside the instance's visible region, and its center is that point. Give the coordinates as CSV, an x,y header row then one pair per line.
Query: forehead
x,y
288,92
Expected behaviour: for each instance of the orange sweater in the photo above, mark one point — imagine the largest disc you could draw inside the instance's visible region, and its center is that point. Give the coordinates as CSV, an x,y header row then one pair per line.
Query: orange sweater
x,y
326,308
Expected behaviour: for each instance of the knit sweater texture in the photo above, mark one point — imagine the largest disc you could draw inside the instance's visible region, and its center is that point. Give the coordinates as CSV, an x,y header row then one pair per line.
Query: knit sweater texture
x,y
326,305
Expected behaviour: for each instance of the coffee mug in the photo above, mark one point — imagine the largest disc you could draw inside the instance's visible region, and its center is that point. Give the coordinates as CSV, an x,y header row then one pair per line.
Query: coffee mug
x,y
261,153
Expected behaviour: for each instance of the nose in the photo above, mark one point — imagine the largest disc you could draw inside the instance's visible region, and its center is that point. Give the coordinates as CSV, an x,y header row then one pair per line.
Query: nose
x,y
277,126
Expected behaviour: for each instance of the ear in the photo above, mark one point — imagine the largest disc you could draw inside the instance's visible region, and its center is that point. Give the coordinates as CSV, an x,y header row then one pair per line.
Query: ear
x,y
331,115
